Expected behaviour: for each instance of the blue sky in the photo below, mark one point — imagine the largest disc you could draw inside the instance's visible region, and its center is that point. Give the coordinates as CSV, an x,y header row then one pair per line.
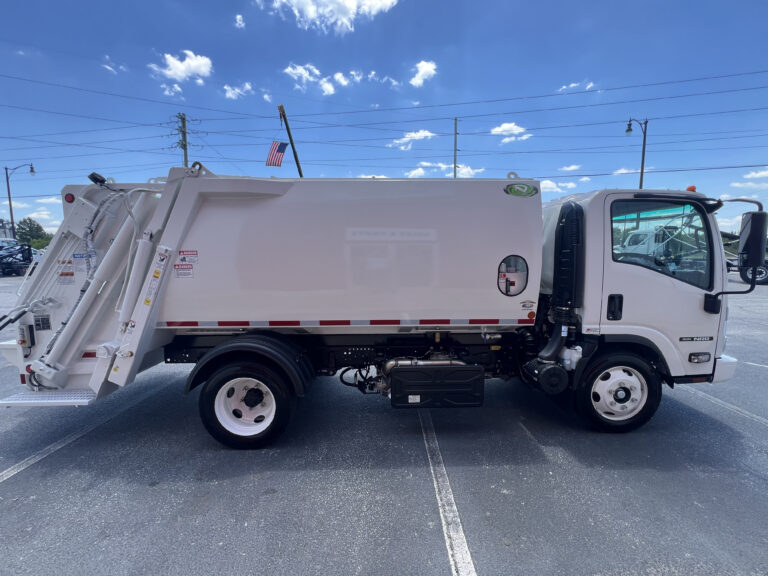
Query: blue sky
x,y
371,87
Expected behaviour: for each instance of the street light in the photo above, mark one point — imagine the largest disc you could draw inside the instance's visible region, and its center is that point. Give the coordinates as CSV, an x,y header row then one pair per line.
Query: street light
x,y
643,126
8,172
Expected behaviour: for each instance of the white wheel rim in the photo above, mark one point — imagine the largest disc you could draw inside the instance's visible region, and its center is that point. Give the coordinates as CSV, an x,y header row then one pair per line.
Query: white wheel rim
x,y
234,413
619,393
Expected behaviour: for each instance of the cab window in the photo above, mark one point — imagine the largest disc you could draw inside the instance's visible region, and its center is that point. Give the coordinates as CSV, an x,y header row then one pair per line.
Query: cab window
x,y
671,238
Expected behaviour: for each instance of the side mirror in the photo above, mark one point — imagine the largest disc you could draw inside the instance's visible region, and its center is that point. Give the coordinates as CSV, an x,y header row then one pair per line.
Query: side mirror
x,y
752,239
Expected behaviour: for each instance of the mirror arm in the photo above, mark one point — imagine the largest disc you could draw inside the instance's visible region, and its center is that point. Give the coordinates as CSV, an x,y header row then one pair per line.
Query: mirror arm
x,y
712,301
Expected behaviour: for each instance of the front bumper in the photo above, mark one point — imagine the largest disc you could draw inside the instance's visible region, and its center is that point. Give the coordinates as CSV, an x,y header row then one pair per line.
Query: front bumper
x,y
725,367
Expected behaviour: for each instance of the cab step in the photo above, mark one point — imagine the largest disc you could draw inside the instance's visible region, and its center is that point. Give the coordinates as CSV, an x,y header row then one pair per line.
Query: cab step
x,y
50,398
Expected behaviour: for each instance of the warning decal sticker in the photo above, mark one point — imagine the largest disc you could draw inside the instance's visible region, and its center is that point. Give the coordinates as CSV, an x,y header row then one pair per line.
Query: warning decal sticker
x,y
184,270
185,264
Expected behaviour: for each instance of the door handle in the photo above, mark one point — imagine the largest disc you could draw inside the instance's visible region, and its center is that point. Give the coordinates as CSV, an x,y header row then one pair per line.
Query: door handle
x,y
615,306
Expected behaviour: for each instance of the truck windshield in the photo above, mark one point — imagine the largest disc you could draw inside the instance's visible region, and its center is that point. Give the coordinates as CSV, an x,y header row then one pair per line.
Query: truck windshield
x,y
671,238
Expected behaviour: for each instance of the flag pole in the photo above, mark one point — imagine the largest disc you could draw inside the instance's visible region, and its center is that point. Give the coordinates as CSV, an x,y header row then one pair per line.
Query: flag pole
x,y
293,147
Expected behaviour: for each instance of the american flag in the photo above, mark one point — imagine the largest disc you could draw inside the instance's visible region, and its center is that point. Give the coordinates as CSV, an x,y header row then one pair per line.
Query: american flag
x,y
276,153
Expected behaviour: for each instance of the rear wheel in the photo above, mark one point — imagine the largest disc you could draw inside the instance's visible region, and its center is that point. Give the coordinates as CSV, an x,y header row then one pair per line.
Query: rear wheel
x,y
620,392
246,405
761,275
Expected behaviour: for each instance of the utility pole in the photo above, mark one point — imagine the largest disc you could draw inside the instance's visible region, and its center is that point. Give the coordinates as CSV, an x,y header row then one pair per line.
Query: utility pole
x,y
183,134
644,127
284,118
455,144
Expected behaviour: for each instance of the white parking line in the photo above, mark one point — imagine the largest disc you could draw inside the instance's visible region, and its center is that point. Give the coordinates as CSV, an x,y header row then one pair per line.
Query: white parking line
x,y
51,448
455,541
726,405
758,365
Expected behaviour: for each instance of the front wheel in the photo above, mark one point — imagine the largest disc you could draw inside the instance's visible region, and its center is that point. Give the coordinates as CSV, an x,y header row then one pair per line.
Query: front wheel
x,y
619,393
761,275
246,405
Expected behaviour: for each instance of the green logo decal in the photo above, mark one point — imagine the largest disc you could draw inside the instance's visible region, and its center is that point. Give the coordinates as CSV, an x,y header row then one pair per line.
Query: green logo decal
x,y
521,190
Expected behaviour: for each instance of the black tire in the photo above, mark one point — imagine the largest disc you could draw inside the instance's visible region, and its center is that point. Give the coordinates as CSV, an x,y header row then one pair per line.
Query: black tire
x,y
619,392
762,275
245,405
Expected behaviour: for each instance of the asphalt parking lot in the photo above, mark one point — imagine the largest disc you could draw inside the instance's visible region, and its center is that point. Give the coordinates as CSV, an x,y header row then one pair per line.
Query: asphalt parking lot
x,y
134,485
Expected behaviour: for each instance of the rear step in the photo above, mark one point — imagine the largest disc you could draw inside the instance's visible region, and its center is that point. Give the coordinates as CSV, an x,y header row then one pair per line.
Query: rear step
x,y
50,398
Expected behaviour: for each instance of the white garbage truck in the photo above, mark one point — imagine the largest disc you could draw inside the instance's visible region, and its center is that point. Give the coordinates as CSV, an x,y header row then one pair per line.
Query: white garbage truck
x,y
419,290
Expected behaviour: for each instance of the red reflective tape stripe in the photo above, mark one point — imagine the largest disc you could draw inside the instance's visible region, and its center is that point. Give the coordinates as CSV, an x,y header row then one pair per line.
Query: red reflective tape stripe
x,y
385,322
335,322
434,321
180,324
483,320
89,354
23,378
232,322
284,323
526,321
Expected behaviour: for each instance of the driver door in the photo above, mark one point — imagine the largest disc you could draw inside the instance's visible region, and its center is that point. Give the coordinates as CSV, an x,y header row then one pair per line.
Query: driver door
x,y
657,295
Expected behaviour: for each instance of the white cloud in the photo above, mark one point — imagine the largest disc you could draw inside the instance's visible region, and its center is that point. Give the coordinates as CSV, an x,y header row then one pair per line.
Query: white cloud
x,y
374,77
237,92
40,214
172,90
725,196
750,185
239,21
462,170
17,204
415,173
341,80
325,15
193,66
415,102
732,224
568,86
550,186
759,174
584,179
327,86
372,176
112,67
356,75
406,141
266,95
51,200
570,168
624,171
511,131
302,75
391,81
589,86
424,71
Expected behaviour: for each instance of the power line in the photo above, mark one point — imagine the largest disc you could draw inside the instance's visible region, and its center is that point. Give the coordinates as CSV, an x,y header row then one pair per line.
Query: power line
x,y
391,109
50,144
128,97
559,108
539,96
81,116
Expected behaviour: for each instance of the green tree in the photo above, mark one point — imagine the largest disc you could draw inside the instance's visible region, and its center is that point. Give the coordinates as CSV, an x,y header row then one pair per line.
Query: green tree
x,y
29,231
